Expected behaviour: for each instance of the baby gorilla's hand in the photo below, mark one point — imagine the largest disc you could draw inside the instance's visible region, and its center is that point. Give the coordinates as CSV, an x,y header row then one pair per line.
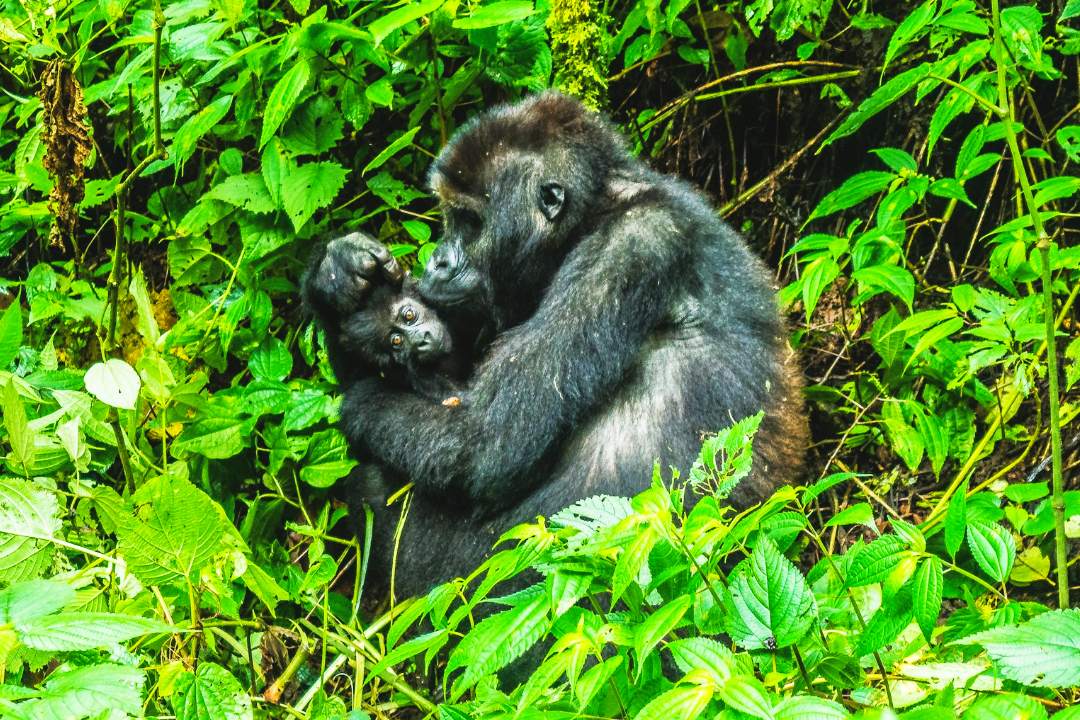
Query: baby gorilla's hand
x,y
452,402
340,281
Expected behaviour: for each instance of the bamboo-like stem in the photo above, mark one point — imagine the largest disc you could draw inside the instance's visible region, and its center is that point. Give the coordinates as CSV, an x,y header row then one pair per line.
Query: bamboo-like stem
x,y
1057,501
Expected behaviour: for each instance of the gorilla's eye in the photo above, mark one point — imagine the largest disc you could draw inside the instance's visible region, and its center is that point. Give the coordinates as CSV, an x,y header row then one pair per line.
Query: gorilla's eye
x,y
552,196
396,340
408,314
469,218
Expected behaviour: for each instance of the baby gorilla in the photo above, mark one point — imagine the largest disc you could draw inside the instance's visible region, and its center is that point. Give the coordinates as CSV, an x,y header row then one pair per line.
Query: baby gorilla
x,y
404,340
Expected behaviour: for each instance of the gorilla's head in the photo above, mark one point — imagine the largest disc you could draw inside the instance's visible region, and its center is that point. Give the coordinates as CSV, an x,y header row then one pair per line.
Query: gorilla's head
x,y
516,186
396,329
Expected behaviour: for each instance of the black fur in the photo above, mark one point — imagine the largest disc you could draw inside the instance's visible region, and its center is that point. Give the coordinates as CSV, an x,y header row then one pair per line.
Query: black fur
x,y
629,320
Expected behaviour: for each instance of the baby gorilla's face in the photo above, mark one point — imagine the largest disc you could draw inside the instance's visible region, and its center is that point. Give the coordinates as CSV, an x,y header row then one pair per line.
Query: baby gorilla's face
x,y
416,336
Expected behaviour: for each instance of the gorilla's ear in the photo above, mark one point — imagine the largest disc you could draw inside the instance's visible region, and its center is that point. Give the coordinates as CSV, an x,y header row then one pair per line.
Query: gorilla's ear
x,y
552,196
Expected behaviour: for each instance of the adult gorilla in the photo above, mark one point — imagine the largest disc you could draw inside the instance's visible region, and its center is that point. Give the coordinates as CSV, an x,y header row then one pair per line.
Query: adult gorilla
x,y
629,321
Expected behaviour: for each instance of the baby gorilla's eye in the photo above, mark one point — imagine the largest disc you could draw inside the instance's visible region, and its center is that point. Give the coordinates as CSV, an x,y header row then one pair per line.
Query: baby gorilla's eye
x,y
396,340
408,314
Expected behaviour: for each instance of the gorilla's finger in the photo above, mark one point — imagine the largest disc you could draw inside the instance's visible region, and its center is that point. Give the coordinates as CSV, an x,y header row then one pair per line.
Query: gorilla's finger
x,y
392,270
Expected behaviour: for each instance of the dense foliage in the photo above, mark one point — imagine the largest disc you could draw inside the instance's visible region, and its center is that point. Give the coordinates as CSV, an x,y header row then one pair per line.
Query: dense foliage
x,y
169,539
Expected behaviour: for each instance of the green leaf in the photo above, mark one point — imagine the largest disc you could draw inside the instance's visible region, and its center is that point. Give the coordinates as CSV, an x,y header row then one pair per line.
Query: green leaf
x,y
496,13
283,99
1006,707
271,360
951,189
880,99
685,702
197,125
933,336
816,277
1044,651
594,678
88,691
658,624
631,560
327,460
178,530
934,438
993,548
1055,188
210,693
20,436
497,641
746,694
391,21
909,30
701,653
31,599
857,514
28,520
275,167
853,191
114,383
410,648
390,150
890,278
876,561
926,594
309,187
84,630
808,707
565,588
956,520
896,159
216,437
769,604
10,333
247,192
886,624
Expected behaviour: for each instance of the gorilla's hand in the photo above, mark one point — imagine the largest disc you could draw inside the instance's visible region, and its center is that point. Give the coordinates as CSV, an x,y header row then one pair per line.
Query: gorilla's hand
x,y
340,278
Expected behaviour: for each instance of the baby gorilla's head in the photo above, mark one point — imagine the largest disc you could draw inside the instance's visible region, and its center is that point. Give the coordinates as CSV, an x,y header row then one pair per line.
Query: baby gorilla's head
x,y
396,329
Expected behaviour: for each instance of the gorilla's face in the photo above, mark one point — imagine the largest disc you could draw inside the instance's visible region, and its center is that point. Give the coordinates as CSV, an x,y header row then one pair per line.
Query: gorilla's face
x,y
398,329
501,240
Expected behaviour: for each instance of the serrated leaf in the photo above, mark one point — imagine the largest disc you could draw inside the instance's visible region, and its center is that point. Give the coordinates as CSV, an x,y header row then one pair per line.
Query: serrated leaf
x,y
28,519
935,439
880,99
84,630
857,514
769,604
497,641
909,30
926,594
816,277
195,128
993,548
875,561
87,691
890,278
956,520
496,13
21,437
216,437
808,707
309,187
30,599
410,648
390,150
114,383
1006,707
852,191
210,693
685,702
391,21
283,99
1055,188
631,560
705,654
746,694
275,167
897,159
886,624
658,624
1044,651
10,333
247,192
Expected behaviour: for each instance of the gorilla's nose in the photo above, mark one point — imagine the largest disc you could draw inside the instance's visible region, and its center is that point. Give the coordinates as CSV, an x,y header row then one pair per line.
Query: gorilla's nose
x,y
443,264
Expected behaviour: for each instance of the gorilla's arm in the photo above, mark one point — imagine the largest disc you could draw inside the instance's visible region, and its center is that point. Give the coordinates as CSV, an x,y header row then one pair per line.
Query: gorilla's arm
x,y
541,377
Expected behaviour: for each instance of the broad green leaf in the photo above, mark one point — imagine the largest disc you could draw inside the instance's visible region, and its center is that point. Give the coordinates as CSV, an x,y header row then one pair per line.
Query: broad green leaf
x,y
327,460
909,30
88,691
84,630
271,360
496,13
993,548
497,641
886,624
10,333
21,437
114,383
816,277
24,601
178,530
890,278
951,189
933,336
275,167
896,159
956,520
1055,188
309,187
216,437
195,128
956,102
935,440
853,191
565,588
874,562
808,707
390,150
884,342
705,654
1044,651
920,321
247,192
926,594
685,702
769,604
746,694
1006,707
210,693
28,520
659,623
283,99
391,21
410,648
595,678
307,407
632,558
880,99
857,514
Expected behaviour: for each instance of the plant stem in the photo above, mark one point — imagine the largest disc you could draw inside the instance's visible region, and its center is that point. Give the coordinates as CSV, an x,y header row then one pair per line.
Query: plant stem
x,y
1043,244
